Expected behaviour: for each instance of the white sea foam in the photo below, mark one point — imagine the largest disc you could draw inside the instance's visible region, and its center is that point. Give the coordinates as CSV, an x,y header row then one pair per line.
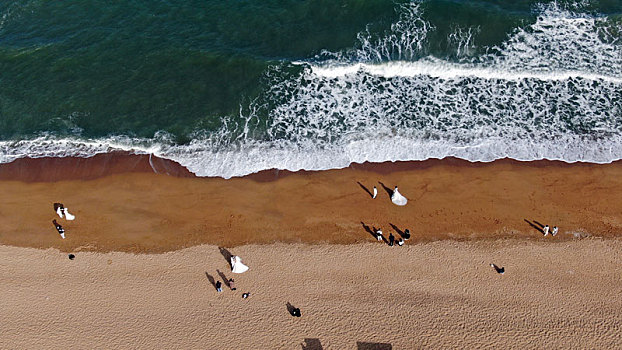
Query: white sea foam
x,y
553,90
50,146
251,158
447,70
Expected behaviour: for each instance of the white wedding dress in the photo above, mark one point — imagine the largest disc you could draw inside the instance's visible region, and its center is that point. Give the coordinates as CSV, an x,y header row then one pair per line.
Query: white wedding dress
x,y
397,198
69,216
237,266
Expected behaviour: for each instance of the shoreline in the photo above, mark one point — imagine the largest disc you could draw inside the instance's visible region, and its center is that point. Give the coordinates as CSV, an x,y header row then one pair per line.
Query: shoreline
x,y
145,212
54,169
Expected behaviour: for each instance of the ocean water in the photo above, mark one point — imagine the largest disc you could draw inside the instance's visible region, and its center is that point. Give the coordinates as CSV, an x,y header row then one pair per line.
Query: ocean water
x,y
228,88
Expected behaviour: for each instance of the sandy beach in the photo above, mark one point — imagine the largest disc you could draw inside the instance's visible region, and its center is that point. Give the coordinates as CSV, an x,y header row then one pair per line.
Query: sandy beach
x,y
307,239
427,295
146,144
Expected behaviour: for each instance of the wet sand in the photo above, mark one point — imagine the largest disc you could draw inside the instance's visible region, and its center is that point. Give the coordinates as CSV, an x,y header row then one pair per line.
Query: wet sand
x,y
563,295
148,212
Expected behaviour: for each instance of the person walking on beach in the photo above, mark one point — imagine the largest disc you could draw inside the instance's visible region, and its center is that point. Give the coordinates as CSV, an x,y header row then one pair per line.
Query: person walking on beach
x,y
391,240
554,232
379,235
218,287
231,284
545,229
400,242
59,228
246,295
406,234
375,193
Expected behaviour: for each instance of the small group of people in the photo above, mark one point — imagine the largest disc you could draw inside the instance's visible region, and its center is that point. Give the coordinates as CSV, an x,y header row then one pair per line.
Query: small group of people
x,y
230,283
236,267
396,196
60,209
404,237
546,230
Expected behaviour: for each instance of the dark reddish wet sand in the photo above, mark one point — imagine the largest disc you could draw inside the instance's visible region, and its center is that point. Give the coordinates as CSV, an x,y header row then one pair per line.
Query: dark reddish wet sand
x,y
138,203
50,169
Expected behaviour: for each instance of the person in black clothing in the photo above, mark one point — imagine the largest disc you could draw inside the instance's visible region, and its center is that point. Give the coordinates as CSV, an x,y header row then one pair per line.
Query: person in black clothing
x,y
406,234
391,240
219,286
500,270
296,312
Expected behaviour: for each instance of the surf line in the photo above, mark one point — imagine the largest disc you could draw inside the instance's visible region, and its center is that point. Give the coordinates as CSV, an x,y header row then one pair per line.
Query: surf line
x,y
450,71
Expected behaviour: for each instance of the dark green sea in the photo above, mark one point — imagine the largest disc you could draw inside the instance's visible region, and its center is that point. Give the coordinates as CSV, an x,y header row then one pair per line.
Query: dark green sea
x,y
232,87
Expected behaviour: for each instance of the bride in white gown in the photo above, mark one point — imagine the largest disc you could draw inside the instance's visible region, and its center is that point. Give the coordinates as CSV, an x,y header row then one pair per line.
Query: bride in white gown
x,y
237,266
397,198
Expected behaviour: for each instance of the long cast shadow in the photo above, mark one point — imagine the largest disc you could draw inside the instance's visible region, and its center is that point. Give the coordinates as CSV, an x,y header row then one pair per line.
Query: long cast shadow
x,y
369,230
211,280
226,254
372,232
366,190
389,191
399,232
539,224
500,270
539,229
224,278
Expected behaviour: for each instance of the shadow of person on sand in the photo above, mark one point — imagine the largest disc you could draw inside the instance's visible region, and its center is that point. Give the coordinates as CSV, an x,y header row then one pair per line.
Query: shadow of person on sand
x,y
372,232
211,280
399,232
536,227
389,191
226,254
539,224
369,230
366,190
500,270
224,278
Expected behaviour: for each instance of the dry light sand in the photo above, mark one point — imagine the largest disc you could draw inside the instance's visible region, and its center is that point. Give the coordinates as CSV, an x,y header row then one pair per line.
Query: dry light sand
x,y
428,295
